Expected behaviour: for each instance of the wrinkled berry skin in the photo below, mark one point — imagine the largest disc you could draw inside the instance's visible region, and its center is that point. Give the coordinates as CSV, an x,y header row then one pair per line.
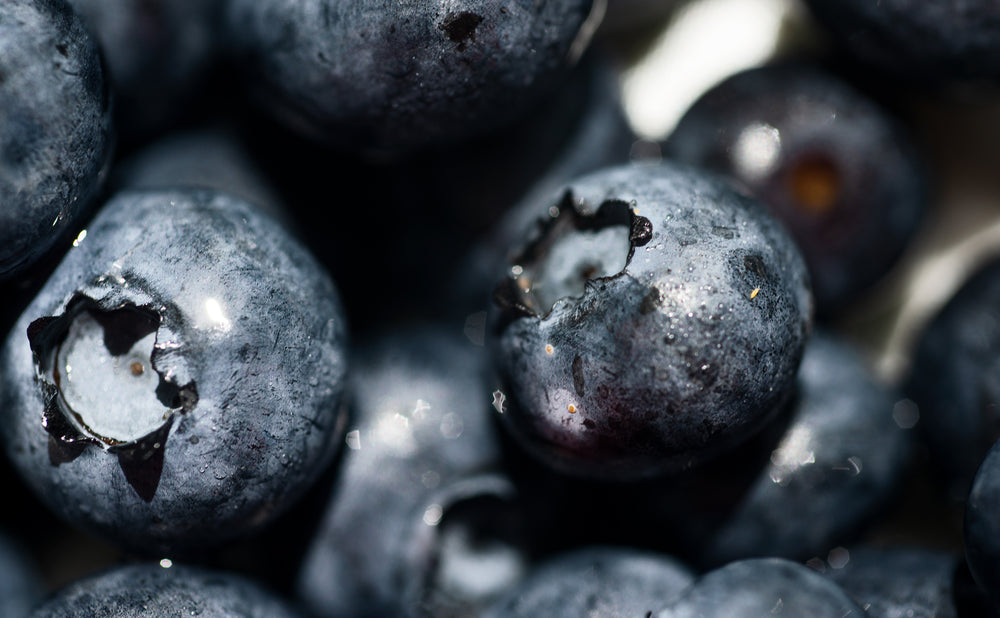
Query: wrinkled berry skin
x,y
763,587
392,76
249,356
687,350
151,590
955,379
55,128
899,581
419,497
156,51
982,527
837,465
924,43
831,164
595,581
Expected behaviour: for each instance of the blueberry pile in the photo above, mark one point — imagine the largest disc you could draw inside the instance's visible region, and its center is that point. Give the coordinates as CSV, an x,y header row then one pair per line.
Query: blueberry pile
x,y
368,308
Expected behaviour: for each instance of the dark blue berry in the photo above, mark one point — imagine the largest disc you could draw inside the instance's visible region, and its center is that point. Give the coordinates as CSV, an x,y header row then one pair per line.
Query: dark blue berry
x,y
837,466
926,44
830,163
177,382
982,526
156,52
55,127
955,379
901,581
164,590
654,318
384,76
763,587
596,581
420,522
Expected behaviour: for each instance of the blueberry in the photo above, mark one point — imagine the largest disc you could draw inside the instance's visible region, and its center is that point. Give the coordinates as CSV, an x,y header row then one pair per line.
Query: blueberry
x,y
654,318
831,164
955,379
837,466
164,590
982,532
55,127
926,44
763,587
209,158
898,581
382,76
421,521
181,377
596,581
156,51
20,584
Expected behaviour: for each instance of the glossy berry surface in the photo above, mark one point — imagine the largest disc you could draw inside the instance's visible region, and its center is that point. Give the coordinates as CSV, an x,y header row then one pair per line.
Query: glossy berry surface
x,y
177,382
837,465
899,581
416,523
55,128
385,76
596,581
654,317
763,587
955,379
837,169
927,44
155,590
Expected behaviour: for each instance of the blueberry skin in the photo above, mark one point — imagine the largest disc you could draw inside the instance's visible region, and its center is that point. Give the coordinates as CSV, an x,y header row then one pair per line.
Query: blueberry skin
x,y
250,358
901,581
955,379
685,351
156,51
152,590
926,44
598,582
836,467
419,522
835,167
20,585
381,76
762,587
55,128
982,530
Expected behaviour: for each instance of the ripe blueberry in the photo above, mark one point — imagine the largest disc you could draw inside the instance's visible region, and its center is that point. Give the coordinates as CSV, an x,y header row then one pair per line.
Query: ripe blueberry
x,y
831,164
763,587
595,581
177,381
162,590
55,126
384,76
653,319
421,521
